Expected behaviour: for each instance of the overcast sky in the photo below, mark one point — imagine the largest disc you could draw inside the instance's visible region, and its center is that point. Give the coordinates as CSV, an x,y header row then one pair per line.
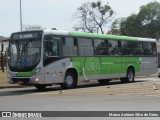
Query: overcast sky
x,y
54,13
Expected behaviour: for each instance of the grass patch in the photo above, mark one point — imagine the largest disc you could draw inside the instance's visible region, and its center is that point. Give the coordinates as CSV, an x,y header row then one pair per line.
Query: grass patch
x,y
3,77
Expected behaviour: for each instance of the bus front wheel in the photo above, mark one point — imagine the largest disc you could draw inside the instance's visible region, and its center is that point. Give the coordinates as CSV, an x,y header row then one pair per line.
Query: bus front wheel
x,y
69,81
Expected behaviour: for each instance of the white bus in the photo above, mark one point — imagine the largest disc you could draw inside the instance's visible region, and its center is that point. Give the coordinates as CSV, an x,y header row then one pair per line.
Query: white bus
x,y
47,57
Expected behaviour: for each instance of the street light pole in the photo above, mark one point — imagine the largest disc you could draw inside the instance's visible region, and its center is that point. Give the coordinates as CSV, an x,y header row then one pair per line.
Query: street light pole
x,y
20,16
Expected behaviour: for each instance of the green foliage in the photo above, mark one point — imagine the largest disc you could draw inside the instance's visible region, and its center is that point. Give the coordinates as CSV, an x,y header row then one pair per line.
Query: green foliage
x,y
149,17
130,26
144,24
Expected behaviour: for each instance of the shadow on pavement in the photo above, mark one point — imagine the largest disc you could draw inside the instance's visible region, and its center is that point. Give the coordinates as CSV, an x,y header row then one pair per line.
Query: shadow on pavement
x,y
31,90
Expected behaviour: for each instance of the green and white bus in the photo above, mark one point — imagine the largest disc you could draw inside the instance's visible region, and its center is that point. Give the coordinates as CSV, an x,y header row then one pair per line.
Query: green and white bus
x,y
45,57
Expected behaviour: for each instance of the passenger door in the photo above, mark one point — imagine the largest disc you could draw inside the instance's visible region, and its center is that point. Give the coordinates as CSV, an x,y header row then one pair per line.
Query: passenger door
x,y
51,59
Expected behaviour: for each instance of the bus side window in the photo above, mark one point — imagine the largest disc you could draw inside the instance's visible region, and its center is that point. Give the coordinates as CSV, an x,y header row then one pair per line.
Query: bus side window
x,y
137,48
101,47
114,48
149,49
153,49
51,48
85,47
126,48
69,46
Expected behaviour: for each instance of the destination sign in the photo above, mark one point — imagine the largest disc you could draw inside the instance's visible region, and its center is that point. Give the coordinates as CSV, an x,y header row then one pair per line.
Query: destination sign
x,y
25,35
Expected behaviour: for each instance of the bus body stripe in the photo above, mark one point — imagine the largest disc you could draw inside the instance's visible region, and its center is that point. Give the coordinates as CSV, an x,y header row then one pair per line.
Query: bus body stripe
x,y
105,36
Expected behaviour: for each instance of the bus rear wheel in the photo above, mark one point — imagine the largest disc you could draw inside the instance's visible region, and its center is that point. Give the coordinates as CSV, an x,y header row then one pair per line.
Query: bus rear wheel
x,y
69,81
40,87
130,76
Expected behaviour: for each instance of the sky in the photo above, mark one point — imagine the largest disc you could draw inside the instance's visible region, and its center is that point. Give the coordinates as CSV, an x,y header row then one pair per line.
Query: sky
x,y
54,13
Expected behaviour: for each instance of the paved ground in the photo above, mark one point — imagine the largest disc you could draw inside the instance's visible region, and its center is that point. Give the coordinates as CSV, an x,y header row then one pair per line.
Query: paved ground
x,y
139,96
156,85
5,84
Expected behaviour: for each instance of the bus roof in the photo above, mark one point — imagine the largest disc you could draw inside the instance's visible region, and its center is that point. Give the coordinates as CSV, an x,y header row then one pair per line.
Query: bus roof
x,y
107,36
101,36
92,35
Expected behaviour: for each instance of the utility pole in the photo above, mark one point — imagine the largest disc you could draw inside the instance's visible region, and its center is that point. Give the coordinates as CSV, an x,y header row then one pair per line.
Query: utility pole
x,y
2,59
20,16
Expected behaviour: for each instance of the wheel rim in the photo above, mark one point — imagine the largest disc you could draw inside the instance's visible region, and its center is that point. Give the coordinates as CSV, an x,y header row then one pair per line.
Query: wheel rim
x,y
130,76
69,81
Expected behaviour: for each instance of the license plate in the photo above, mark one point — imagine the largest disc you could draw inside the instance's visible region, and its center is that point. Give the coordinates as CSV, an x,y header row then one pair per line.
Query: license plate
x,y
20,82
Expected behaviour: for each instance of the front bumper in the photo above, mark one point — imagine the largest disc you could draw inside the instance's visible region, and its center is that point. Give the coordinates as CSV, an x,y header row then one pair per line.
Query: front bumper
x,y
39,79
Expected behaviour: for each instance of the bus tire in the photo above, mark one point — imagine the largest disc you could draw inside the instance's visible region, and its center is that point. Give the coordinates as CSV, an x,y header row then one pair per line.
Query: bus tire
x,y
40,87
103,82
69,81
130,76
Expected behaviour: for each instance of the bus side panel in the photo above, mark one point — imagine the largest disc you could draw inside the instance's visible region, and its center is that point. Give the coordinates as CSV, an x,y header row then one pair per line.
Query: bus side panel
x,y
148,66
129,62
53,72
79,63
89,68
116,67
110,67
92,68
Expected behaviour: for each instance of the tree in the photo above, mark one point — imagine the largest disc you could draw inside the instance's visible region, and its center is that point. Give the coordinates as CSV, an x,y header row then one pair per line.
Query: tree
x,y
31,27
131,26
149,17
115,28
93,17
144,24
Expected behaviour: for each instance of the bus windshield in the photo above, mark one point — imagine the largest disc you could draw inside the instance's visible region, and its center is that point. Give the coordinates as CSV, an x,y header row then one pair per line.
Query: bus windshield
x,y
24,54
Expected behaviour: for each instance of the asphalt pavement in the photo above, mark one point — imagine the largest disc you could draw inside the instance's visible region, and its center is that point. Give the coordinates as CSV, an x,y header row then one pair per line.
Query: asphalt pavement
x,y
142,95
156,85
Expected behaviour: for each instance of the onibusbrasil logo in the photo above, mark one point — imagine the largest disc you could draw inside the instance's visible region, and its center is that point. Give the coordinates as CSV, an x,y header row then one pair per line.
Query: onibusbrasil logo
x,y
21,114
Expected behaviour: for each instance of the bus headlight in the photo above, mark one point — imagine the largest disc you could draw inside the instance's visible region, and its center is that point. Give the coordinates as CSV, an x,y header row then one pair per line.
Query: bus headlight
x,y
36,79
